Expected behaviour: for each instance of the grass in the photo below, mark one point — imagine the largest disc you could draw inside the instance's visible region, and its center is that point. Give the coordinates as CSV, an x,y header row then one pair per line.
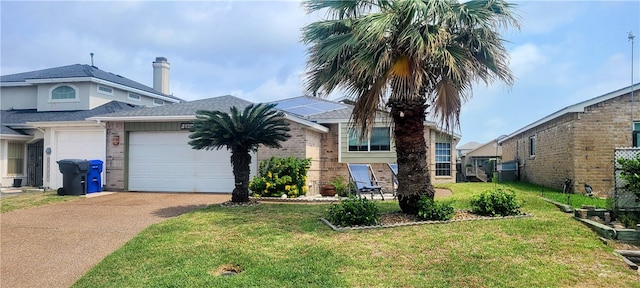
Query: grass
x,y
31,199
285,245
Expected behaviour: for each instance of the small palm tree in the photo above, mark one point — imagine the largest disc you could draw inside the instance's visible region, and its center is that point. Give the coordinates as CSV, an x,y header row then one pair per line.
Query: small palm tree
x,y
412,56
240,132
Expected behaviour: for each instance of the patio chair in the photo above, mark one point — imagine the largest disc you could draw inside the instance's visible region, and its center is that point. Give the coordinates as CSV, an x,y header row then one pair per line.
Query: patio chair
x,y
394,177
366,182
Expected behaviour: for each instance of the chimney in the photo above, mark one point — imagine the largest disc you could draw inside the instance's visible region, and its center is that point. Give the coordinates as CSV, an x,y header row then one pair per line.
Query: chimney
x,y
161,75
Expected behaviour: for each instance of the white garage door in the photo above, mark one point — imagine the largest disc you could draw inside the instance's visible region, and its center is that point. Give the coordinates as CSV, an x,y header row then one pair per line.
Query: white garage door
x,y
165,162
78,144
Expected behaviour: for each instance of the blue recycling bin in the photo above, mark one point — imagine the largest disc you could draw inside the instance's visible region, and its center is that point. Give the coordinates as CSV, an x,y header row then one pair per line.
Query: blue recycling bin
x,y
94,180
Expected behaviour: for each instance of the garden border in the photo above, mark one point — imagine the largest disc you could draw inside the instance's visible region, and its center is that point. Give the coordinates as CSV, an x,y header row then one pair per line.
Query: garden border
x,y
564,207
343,229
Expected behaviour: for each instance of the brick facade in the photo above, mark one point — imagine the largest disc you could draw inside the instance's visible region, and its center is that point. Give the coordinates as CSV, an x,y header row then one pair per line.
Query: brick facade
x,y
577,146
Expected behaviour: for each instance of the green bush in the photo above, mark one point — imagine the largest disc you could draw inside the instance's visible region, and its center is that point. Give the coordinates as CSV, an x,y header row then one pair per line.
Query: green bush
x,y
428,209
498,202
281,176
354,211
630,171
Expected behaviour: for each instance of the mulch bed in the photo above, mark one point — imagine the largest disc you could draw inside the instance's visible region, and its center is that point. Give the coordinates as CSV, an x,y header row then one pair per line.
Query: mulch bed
x,y
399,219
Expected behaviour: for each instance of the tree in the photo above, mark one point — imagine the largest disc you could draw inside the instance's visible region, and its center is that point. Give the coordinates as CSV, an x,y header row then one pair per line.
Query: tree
x,y
407,57
240,132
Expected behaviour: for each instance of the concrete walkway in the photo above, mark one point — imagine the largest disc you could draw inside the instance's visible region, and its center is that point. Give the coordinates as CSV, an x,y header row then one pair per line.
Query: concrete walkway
x,y
54,245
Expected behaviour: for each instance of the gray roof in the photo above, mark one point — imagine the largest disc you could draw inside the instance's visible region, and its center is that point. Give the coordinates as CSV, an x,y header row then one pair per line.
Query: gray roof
x,y
469,146
80,70
10,118
221,103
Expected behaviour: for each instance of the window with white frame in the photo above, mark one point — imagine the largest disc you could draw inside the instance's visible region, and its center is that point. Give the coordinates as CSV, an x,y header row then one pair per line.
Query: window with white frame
x,y
134,96
105,90
15,158
380,140
63,93
158,102
443,159
532,146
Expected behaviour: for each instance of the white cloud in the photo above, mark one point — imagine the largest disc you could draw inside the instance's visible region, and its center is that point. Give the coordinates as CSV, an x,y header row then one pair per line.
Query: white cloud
x,y
526,58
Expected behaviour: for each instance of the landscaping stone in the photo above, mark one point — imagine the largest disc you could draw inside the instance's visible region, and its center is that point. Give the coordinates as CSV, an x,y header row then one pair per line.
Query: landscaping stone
x,y
581,213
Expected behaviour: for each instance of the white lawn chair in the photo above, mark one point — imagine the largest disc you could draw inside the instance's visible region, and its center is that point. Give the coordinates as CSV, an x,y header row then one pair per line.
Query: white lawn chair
x,y
366,182
394,177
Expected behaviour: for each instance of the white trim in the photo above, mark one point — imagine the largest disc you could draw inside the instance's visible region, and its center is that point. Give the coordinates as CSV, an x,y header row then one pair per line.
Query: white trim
x,y
104,92
14,84
15,137
143,118
576,108
63,124
313,126
66,100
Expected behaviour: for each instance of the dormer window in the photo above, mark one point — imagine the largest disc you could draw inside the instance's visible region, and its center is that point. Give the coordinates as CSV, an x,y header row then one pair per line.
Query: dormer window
x,y
64,93
158,102
134,96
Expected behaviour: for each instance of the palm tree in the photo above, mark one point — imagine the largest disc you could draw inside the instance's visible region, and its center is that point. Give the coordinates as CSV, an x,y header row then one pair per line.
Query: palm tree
x,y
412,56
240,132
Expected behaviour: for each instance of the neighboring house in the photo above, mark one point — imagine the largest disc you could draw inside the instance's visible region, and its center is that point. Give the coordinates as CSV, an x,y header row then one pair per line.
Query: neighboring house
x,y
463,149
43,117
153,153
479,164
576,143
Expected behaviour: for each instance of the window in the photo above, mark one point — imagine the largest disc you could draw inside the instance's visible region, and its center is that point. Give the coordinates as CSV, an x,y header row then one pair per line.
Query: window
x,y
380,140
532,146
63,93
15,158
443,159
105,90
158,102
635,135
134,96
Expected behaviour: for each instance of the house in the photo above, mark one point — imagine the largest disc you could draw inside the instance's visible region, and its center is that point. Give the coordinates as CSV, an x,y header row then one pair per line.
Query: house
x,y
152,153
466,147
340,146
43,116
479,164
576,143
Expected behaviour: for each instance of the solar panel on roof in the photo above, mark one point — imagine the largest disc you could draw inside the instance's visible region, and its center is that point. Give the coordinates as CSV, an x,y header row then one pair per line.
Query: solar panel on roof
x,y
326,106
304,111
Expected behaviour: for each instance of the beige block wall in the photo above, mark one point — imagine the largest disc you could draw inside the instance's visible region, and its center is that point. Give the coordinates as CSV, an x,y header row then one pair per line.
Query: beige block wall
x,y
114,166
578,146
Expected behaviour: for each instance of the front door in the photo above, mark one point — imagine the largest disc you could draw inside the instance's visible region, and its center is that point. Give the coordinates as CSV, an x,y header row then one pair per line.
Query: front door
x,y
34,163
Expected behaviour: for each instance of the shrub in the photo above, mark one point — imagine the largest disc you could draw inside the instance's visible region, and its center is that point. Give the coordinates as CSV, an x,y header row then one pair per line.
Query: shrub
x,y
630,171
498,202
354,211
281,176
428,209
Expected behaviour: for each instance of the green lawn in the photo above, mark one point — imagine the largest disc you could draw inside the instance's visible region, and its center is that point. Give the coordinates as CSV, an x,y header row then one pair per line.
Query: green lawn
x,y
32,199
285,245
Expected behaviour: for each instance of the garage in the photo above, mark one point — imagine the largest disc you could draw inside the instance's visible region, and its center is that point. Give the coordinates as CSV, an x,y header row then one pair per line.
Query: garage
x,y
165,162
75,144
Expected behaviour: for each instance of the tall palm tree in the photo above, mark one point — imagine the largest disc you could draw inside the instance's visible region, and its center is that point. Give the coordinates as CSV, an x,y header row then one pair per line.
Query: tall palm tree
x,y
240,132
412,56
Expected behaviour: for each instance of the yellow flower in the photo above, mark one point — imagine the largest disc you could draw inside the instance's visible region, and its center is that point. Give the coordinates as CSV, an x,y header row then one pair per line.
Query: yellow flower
x,y
268,185
269,174
287,187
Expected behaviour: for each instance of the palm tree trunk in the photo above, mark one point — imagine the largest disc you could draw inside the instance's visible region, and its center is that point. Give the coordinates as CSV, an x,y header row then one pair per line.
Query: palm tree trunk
x,y
240,160
411,150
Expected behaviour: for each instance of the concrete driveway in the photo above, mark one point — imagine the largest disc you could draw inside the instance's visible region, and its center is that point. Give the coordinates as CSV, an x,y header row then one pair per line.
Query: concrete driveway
x,y
54,245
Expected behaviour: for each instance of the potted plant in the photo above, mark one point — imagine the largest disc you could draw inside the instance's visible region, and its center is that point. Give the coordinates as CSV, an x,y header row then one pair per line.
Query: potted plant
x,y
341,185
327,190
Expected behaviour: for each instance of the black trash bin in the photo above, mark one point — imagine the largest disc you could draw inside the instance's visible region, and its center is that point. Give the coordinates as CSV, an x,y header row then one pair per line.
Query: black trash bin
x,y
74,176
94,180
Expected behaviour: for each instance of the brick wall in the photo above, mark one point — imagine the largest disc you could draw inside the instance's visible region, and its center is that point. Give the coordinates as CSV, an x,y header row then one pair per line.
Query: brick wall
x,y
578,146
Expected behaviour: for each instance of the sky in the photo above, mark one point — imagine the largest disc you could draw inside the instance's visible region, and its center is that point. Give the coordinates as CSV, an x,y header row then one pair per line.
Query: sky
x,y
564,52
